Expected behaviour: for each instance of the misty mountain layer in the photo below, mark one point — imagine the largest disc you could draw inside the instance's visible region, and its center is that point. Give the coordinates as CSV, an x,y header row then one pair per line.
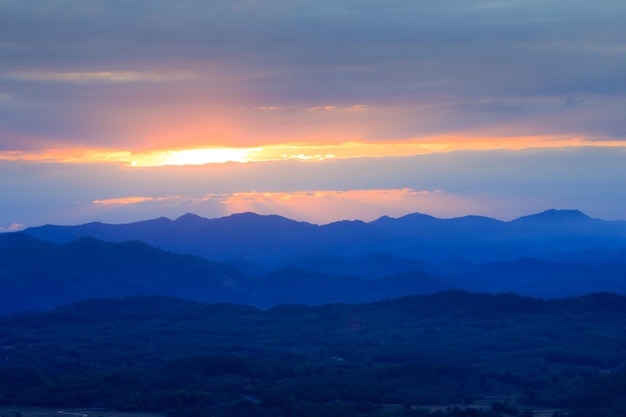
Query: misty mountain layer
x,y
273,260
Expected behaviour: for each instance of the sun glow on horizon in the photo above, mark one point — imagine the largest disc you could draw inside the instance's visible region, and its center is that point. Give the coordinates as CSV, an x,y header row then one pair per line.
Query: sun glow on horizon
x,y
302,151
194,157
318,206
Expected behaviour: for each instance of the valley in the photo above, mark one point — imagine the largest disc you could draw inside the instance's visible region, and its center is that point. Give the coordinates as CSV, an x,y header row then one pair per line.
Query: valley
x,y
262,316
162,354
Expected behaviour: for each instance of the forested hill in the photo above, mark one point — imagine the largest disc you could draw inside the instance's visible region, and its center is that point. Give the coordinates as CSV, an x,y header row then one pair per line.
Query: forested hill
x,y
190,358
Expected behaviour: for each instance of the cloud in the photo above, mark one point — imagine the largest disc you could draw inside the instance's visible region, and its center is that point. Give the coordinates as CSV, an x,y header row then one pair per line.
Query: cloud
x,y
319,206
98,77
325,108
497,183
354,107
350,42
12,228
303,151
122,201
459,96
322,206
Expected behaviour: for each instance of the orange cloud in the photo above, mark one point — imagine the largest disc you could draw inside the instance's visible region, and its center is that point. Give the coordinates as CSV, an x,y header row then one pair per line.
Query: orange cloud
x,y
122,201
68,156
301,151
13,228
318,206
323,206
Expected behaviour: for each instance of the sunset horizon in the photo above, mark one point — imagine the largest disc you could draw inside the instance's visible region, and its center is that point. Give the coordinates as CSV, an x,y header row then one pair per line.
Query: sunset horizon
x,y
313,110
320,208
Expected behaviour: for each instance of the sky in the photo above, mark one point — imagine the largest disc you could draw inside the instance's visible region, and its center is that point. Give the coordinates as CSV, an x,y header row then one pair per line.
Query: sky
x,y
318,110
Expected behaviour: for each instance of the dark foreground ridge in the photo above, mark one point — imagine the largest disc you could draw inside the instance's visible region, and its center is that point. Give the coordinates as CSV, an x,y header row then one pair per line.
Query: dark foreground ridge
x,y
397,357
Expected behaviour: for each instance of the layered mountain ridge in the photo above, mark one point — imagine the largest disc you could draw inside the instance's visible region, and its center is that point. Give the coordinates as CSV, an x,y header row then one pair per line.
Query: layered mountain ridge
x,y
271,238
270,260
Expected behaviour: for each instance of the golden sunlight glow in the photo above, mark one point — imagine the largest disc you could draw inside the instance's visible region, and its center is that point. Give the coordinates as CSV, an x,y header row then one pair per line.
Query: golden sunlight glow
x,y
301,151
122,201
194,156
321,206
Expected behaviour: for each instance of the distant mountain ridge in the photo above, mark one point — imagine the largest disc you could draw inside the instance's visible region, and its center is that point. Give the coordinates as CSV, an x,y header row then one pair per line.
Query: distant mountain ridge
x,y
270,238
270,260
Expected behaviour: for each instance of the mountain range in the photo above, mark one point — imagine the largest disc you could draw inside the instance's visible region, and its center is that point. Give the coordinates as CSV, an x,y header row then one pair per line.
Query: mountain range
x,y
270,239
270,260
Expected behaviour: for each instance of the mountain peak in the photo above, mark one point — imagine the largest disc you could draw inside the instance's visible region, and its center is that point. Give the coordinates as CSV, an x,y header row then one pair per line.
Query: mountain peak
x,y
408,218
564,213
248,215
554,214
189,217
